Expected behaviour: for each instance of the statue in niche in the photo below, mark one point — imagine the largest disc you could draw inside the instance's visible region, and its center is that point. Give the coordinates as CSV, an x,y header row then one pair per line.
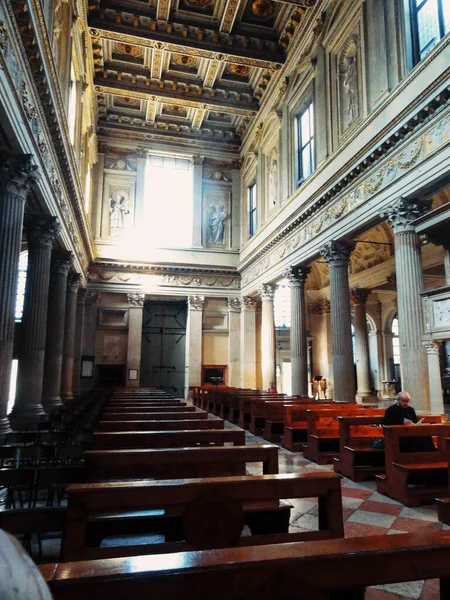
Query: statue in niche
x,y
216,224
272,183
118,208
350,87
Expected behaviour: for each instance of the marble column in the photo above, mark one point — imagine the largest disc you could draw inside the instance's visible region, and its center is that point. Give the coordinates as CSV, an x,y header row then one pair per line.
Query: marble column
x,y
268,358
135,310
234,345
299,347
408,266
51,398
337,255
194,340
17,176
364,391
73,283
90,328
248,342
434,377
41,234
79,334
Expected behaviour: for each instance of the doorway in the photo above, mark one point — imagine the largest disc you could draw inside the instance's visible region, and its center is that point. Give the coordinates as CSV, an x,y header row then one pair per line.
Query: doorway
x,y
163,357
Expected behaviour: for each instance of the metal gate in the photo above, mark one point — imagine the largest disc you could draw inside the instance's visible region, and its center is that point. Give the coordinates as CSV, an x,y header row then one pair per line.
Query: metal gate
x,y
163,357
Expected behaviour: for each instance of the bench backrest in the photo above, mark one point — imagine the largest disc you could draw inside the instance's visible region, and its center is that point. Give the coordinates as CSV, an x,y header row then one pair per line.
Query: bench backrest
x,y
394,433
168,439
151,425
154,416
297,414
324,422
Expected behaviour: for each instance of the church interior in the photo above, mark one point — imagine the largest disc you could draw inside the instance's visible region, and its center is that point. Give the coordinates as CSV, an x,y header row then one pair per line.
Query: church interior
x,y
225,222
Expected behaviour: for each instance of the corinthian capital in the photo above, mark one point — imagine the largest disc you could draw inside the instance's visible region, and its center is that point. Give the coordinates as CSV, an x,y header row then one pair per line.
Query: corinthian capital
x,y
403,212
136,299
234,304
249,303
196,302
18,175
359,295
92,298
267,291
42,231
337,253
431,347
61,261
73,282
297,275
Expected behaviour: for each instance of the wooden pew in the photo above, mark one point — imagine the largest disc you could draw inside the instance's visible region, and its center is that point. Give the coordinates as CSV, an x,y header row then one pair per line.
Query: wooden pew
x,y
167,439
258,410
443,504
161,425
296,424
323,430
358,459
414,478
245,405
341,568
206,513
178,463
148,410
155,416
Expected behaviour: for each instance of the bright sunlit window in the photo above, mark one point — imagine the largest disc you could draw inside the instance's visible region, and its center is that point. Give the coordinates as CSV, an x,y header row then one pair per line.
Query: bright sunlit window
x,y
395,342
168,206
21,281
282,306
71,118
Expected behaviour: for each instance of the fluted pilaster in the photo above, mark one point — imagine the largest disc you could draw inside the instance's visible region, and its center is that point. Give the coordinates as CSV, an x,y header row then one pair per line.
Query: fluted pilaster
x,y
434,377
234,346
359,296
299,348
51,395
79,334
73,283
41,234
248,342
194,340
408,265
267,292
17,176
135,312
337,255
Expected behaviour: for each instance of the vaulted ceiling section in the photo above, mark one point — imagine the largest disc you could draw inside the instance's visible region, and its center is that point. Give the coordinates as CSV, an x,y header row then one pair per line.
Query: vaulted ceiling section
x,y
186,71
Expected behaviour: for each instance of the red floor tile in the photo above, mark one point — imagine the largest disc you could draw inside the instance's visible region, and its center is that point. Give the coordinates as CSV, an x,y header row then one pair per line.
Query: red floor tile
x,y
359,529
354,493
411,525
430,590
381,507
373,594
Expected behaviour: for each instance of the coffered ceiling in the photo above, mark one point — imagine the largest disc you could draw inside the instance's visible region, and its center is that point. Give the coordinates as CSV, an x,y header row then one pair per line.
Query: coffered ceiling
x,y
187,71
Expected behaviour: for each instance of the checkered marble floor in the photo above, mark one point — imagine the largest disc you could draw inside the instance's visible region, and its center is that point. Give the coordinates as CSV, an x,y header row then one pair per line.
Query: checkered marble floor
x,y
366,512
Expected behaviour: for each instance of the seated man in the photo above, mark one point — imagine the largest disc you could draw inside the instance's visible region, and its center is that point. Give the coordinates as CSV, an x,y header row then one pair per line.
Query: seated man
x,y
402,413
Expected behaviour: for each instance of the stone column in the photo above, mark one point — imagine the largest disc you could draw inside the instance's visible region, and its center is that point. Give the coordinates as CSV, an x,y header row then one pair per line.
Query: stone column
x,y
248,342
41,234
234,345
194,330
408,265
90,328
337,255
198,203
364,391
267,292
51,398
17,176
299,347
79,334
73,283
135,309
434,377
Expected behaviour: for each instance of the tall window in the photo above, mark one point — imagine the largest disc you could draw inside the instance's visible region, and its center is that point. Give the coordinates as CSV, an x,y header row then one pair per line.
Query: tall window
x,y
305,143
72,112
251,193
430,21
21,280
395,342
282,306
168,209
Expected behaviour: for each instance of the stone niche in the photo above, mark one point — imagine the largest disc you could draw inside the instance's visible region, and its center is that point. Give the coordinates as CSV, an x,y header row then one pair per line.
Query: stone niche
x,y
118,203
217,208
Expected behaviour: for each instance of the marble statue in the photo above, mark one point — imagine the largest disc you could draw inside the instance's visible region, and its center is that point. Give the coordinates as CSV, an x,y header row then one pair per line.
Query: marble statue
x,y
118,208
216,224
350,85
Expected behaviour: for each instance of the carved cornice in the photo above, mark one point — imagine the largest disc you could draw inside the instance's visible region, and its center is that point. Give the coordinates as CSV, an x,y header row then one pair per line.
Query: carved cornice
x,y
136,300
18,175
337,253
403,212
297,276
196,302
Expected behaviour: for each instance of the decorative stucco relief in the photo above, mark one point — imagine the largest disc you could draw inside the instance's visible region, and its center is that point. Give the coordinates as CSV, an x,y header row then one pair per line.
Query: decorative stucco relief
x,y
113,277
441,313
196,281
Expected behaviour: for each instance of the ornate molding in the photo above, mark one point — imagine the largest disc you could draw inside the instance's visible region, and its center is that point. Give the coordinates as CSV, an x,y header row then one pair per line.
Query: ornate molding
x,y
234,305
196,302
337,253
42,231
297,276
18,175
201,281
403,212
267,291
136,300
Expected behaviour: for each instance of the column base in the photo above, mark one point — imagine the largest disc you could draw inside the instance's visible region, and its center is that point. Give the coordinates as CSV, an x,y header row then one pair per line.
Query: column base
x,y
51,404
366,398
23,416
67,399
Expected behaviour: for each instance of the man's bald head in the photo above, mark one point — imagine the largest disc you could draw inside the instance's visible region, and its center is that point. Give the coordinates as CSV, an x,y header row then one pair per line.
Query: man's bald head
x,y
403,399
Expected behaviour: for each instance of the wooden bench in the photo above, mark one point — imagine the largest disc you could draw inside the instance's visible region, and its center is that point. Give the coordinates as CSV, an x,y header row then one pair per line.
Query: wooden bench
x,y
274,416
161,425
155,416
296,424
178,462
414,478
358,459
148,409
167,439
341,568
245,406
196,513
258,410
323,430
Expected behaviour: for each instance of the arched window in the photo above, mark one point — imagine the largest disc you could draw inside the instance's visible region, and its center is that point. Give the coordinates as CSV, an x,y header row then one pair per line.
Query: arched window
x,y
395,342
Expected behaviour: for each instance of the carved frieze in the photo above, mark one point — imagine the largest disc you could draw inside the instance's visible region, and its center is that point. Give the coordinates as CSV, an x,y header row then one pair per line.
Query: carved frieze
x,y
112,276
210,281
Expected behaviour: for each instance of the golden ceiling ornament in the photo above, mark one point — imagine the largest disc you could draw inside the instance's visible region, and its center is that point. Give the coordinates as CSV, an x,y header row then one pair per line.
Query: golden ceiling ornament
x,y
129,49
240,70
263,8
183,60
199,3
